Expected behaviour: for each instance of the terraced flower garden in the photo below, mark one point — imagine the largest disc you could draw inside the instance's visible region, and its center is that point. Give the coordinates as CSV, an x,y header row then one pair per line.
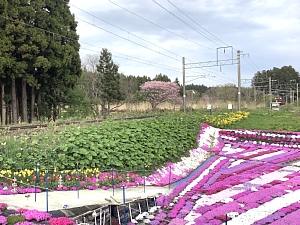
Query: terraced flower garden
x,y
234,176
253,178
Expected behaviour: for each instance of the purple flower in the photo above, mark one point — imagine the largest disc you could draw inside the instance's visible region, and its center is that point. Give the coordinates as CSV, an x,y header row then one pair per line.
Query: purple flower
x,y
3,220
36,215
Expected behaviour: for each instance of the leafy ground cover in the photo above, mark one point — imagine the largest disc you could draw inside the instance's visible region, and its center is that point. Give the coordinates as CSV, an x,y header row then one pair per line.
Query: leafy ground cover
x,y
121,144
93,178
253,179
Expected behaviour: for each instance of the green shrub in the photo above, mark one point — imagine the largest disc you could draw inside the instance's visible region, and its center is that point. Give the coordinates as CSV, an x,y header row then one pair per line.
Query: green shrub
x,y
15,219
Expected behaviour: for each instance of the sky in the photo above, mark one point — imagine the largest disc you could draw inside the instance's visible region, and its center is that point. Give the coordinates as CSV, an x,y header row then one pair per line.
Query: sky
x,y
148,37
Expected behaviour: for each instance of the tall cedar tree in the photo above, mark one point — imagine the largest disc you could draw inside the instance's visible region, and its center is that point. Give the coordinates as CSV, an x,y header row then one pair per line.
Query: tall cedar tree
x,y
62,52
5,56
43,60
110,80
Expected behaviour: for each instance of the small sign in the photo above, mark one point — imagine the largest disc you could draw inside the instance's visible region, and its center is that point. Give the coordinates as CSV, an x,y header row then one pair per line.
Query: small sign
x,y
230,106
275,106
209,106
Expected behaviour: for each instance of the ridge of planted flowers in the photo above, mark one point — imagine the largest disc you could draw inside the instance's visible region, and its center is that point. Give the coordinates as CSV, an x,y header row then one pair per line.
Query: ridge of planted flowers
x,y
257,182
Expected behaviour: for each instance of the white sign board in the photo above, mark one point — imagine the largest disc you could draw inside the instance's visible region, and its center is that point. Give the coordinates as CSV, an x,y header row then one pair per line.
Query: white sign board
x,y
209,106
230,106
275,106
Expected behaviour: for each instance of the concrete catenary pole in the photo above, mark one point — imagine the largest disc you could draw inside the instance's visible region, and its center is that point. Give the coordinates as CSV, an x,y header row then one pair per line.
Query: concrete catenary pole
x,y
183,84
270,92
239,79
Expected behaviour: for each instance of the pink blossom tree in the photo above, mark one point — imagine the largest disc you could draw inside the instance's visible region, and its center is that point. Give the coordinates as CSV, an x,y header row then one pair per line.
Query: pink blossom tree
x,y
157,92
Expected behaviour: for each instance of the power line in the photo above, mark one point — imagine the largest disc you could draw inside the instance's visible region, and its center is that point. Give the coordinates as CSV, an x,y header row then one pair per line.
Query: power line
x,y
136,60
196,30
196,22
128,40
53,33
249,64
253,63
124,30
159,26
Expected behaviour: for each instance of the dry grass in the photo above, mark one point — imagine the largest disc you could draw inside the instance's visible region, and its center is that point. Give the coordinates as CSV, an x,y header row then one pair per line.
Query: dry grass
x,y
145,106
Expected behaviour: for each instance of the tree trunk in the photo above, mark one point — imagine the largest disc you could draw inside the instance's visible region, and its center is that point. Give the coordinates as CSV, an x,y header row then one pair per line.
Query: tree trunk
x,y
32,103
39,100
8,114
54,110
18,108
14,102
103,108
108,108
3,106
154,106
24,102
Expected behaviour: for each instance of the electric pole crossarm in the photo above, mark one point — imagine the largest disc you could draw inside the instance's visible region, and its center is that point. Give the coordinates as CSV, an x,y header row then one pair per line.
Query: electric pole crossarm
x,y
211,63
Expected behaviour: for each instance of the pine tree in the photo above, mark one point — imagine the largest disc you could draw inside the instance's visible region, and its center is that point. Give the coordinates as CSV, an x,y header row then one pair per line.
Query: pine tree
x,y
110,80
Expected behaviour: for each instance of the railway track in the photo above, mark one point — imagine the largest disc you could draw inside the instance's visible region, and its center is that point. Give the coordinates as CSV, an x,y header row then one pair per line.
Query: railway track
x,y
44,125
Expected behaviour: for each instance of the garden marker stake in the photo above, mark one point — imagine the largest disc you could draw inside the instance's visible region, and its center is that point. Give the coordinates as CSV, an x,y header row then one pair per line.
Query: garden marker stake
x,y
170,177
36,175
112,180
47,191
124,202
77,175
144,179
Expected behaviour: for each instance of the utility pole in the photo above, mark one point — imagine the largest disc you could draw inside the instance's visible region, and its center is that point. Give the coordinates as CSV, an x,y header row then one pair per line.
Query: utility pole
x,y
270,91
183,84
239,79
264,99
255,96
297,93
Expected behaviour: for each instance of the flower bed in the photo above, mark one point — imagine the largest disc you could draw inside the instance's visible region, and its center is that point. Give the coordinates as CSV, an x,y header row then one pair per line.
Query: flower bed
x,y
29,217
65,180
253,179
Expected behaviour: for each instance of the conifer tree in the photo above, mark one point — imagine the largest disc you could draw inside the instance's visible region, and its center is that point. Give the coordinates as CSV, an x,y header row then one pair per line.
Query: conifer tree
x,y
110,80
41,54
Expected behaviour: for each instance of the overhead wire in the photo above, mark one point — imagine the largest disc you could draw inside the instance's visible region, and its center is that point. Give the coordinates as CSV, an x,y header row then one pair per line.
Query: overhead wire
x,y
193,28
53,33
249,64
142,61
158,65
160,26
123,30
253,63
196,22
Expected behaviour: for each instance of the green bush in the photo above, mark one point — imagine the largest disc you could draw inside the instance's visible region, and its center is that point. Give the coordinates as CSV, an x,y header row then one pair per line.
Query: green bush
x,y
15,219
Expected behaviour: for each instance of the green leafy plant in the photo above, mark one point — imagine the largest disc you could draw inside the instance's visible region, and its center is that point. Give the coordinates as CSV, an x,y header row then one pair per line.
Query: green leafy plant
x,y
15,219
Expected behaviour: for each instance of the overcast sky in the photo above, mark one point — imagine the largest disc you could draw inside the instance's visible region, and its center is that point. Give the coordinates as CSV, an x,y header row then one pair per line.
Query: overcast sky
x,y
160,34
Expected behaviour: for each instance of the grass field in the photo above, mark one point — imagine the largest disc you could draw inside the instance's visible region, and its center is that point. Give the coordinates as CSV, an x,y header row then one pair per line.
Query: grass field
x,y
270,120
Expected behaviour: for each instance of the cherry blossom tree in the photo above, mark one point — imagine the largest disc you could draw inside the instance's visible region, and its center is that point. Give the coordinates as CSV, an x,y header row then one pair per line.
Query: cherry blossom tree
x,y
157,92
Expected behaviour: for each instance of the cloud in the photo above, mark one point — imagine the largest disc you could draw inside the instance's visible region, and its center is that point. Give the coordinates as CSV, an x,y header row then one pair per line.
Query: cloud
x,y
267,30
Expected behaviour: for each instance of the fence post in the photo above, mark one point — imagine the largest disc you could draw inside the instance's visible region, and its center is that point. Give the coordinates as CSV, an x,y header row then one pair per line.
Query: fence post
x,y
47,190
170,174
144,179
124,202
112,180
36,176
78,180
